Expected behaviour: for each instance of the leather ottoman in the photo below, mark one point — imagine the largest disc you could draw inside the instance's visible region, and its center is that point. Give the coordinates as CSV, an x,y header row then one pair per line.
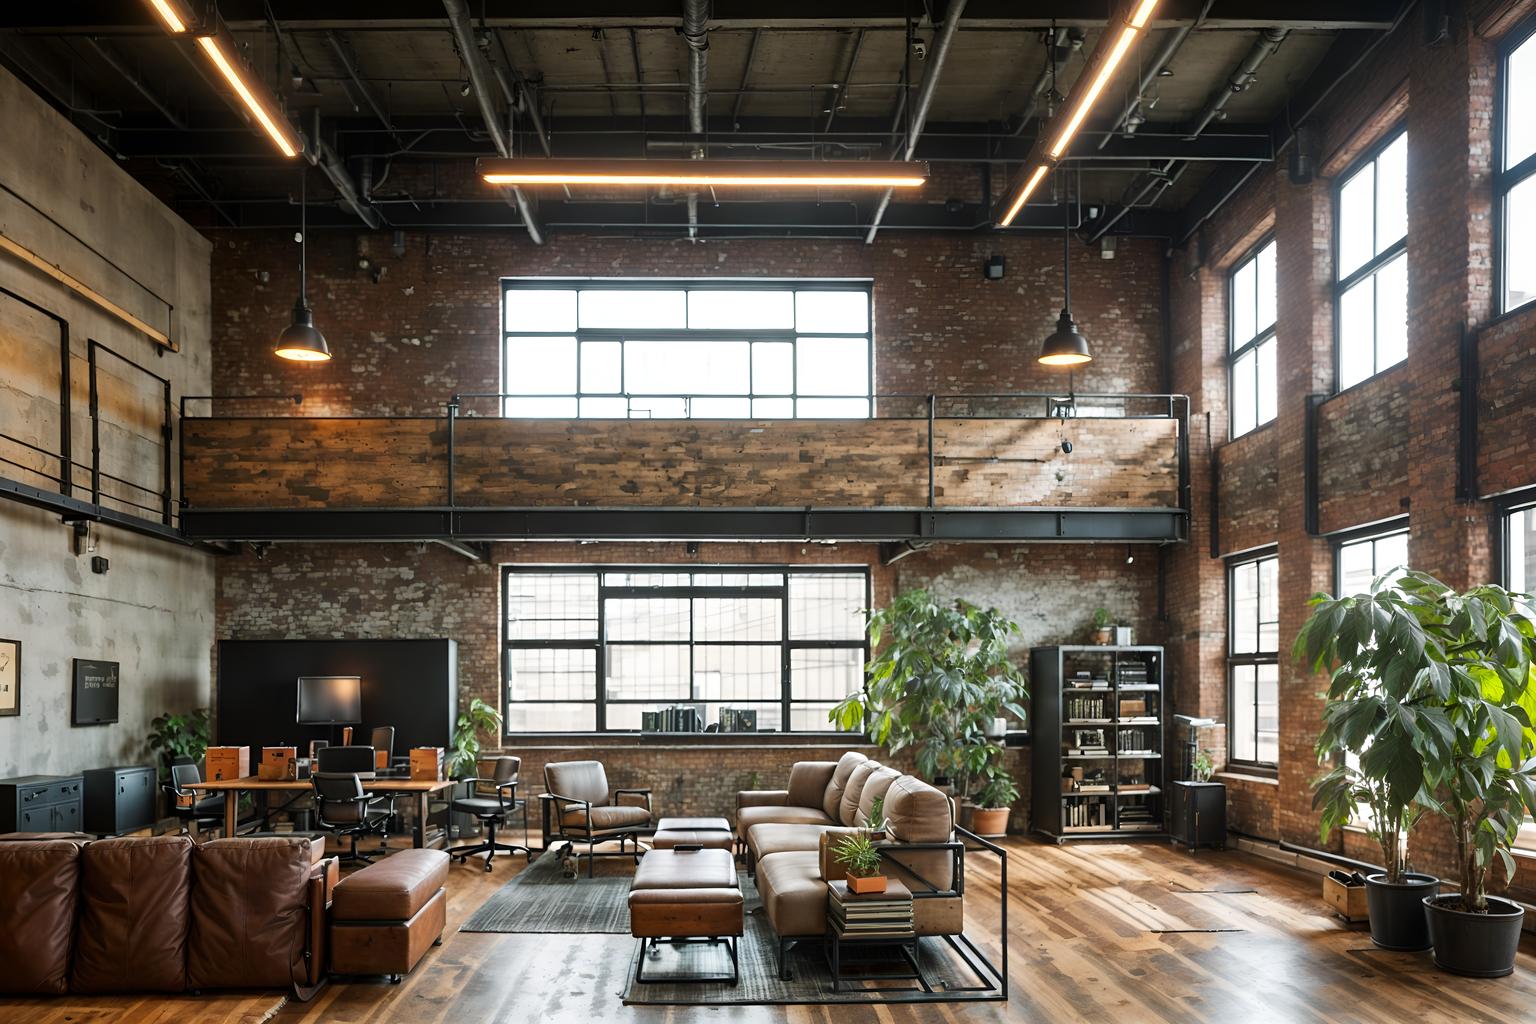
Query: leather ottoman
x,y
710,833
683,896
385,916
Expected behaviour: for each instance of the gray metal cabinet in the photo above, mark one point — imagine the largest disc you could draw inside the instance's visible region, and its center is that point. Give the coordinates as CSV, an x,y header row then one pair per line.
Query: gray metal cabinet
x,y
120,799
41,803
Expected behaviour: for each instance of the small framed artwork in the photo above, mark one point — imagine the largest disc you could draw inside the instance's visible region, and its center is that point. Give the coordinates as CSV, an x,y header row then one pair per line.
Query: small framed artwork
x,y
95,692
10,678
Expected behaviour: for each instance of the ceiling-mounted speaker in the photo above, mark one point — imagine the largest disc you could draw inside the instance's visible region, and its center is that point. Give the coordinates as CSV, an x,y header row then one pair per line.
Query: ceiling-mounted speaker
x,y
1301,168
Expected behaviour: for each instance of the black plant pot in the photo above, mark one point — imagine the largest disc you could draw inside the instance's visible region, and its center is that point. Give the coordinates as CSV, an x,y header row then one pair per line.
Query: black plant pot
x,y
1477,945
1397,910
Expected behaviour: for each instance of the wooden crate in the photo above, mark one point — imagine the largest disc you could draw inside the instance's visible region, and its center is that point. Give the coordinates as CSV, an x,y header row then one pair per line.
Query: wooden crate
x,y
426,764
226,763
275,761
1347,901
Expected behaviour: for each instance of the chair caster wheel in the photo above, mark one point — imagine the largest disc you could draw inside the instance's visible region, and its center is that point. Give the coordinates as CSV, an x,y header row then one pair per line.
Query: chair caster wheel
x,y
487,865
394,979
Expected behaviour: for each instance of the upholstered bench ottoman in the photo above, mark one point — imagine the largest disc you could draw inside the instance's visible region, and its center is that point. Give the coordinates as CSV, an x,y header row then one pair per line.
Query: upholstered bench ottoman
x,y
385,916
710,833
683,896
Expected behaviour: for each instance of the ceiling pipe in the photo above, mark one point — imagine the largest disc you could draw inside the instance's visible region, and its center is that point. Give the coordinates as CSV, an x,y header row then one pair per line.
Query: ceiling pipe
x,y
323,155
109,53
746,78
923,102
696,35
1066,42
1263,48
339,49
482,82
1166,54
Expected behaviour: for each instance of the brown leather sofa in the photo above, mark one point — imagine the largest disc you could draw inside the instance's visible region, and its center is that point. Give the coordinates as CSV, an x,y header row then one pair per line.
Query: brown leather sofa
x,y
788,834
161,914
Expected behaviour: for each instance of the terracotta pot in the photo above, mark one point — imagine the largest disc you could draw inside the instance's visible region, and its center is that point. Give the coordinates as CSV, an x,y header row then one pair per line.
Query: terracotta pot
x,y
865,884
1104,637
990,821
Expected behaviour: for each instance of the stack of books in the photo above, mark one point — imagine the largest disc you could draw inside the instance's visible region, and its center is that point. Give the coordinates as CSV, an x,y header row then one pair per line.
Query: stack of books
x,y
876,915
677,718
1132,673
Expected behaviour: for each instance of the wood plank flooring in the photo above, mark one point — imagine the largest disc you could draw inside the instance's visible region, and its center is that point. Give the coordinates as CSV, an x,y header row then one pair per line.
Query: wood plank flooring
x,y
1123,932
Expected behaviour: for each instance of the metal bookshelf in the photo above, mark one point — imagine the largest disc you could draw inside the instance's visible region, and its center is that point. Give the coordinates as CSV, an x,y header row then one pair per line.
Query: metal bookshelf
x,y
1121,792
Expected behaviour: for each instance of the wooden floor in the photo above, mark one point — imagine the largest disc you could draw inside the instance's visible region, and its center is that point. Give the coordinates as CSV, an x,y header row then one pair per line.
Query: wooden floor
x,y
1097,932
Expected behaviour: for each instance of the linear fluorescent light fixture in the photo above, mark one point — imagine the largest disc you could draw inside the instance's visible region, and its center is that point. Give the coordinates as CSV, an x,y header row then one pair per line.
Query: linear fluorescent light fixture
x,y
777,173
219,46
1085,92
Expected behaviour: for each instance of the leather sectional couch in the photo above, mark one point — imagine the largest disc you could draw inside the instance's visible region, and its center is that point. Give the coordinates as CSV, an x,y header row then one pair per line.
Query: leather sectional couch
x,y
787,835
161,914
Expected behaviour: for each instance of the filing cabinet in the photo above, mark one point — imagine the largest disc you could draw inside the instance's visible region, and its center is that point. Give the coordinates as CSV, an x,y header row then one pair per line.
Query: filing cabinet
x,y
41,803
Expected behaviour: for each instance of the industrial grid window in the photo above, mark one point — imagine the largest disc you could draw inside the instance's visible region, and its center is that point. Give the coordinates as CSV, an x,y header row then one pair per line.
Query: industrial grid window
x,y
1251,340
1371,259
681,649
1253,662
1515,170
663,349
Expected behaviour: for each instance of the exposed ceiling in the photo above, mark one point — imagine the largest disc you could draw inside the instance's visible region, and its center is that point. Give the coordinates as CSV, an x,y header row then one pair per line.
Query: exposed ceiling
x,y
832,79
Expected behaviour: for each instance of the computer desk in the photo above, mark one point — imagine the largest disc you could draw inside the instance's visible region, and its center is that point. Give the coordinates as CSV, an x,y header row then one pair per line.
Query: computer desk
x,y
421,789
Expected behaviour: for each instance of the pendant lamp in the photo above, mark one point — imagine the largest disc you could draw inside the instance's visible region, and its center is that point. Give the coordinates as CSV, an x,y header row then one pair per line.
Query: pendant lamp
x,y
1065,347
301,341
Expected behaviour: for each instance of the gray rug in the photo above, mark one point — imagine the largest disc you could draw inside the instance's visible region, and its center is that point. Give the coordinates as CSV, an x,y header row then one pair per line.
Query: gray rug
x,y
541,900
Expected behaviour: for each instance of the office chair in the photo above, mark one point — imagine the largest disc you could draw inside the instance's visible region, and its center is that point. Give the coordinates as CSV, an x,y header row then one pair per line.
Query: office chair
x,y
383,739
342,806
201,811
493,811
347,759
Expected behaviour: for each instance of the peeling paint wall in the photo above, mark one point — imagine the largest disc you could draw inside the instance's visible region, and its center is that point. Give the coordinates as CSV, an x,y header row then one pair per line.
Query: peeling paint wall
x,y
152,612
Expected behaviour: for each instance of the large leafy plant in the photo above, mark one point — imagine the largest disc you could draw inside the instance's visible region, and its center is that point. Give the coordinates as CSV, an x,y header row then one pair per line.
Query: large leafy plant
x,y
939,675
479,718
173,737
1448,711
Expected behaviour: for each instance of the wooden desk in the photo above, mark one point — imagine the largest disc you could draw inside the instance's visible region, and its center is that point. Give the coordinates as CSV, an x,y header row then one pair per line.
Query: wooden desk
x,y
422,790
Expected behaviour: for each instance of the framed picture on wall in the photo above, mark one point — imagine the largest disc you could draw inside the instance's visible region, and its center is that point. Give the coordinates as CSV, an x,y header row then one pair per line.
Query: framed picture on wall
x,y
95,692
10,677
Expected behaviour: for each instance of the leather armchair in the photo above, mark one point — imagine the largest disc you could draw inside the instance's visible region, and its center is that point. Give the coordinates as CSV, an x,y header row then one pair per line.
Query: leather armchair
x,y
579,793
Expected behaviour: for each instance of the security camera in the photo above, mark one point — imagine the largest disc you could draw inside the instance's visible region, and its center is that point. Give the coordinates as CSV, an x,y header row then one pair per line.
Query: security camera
x,y
919,49
1066,447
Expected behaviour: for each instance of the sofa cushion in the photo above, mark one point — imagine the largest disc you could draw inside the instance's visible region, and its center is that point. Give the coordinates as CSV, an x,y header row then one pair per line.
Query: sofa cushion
x,y
794,896
748,817
134,906
249,898
774,838
394,889
915,812
605,818
848,806
875,788
808,782
38,885
834,794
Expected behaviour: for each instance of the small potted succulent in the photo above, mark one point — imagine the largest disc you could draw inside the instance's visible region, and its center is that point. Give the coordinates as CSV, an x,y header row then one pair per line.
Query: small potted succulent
x,y
860,857
993,805
876,826
1203,766
1103,627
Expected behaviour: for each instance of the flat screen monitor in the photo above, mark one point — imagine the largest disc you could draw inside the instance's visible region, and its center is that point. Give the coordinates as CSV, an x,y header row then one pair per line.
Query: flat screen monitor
x,y
330,700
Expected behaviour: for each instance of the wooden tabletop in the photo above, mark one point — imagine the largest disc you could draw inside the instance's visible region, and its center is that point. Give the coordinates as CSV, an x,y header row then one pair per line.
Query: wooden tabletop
x,y
252,782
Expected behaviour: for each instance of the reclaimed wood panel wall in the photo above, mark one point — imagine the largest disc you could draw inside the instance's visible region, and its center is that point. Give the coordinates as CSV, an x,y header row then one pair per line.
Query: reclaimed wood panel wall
x,y
317,463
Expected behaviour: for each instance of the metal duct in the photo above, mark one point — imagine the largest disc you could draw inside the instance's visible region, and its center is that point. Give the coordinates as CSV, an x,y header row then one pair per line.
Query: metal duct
x,y
1263,48
322,155
1170,47
924,101
696,35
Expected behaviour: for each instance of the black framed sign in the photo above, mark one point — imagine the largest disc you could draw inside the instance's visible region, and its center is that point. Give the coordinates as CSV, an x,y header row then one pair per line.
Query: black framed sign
x,y
10,678
95,692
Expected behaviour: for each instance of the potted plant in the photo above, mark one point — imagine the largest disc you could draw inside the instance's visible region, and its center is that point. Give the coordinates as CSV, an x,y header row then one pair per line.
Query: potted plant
x,y
994,803
940,674
1380,699
860,858
1202,767
465,756
174,737
876,826
1103,627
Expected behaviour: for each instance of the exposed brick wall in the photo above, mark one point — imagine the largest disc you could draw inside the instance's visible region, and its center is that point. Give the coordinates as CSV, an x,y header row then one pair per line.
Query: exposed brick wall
x,y
1248,491
1362,453
1506,400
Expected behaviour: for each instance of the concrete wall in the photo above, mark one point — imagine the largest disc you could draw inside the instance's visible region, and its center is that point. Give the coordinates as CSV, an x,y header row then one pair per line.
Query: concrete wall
x,y
153,611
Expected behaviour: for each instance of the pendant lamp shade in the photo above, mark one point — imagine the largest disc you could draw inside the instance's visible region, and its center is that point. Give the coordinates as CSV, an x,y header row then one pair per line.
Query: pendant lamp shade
x,y
301,341
1065,347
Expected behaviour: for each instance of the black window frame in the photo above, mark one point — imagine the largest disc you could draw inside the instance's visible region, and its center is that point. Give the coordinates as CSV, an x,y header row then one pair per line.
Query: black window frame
x,y
1367,535
1252,344
702,335
1256,658
1341,285
1504,510
1505,180
599,644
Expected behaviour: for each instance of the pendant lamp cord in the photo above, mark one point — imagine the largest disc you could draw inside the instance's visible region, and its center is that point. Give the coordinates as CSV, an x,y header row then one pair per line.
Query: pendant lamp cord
x,y
1066,255
303,235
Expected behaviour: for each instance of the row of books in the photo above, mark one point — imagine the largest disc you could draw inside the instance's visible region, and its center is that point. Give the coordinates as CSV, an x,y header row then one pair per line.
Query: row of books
x,y
1086,814
1132,673
1087,707
884,915
677,718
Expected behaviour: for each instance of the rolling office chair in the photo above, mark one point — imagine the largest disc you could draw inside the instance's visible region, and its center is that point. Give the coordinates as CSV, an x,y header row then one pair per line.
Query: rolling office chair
x,y
342,806
493,811
383,738
346,759
195,813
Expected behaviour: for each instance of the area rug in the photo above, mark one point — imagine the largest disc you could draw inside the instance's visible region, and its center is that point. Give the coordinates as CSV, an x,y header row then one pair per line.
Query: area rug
x,y
541,900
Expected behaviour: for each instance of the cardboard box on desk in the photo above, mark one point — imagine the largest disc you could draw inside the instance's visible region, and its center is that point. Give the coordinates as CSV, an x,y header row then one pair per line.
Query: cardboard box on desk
x,y
426,764
226,763
274,762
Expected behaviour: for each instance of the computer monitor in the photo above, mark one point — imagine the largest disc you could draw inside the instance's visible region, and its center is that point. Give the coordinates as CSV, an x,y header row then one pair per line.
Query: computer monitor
x,y
330,700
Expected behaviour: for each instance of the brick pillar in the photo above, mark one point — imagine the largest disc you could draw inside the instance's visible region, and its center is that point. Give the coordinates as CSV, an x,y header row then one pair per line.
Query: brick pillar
x,y
1450,279
1304,365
